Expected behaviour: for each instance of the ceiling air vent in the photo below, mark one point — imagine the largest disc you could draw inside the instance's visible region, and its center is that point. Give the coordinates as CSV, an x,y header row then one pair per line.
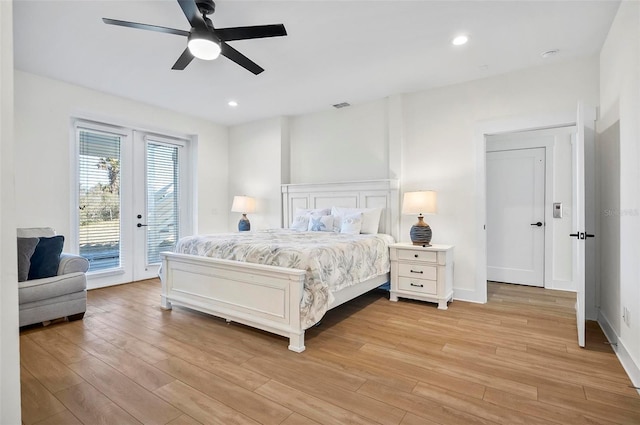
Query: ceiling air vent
x,y
341,105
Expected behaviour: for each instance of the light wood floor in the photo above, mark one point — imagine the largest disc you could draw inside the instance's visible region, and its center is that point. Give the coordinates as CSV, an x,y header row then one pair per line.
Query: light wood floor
x,y
512,361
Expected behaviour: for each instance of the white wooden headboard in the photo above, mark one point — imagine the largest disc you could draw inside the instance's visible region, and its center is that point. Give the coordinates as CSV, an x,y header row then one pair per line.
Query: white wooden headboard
x,y
357,194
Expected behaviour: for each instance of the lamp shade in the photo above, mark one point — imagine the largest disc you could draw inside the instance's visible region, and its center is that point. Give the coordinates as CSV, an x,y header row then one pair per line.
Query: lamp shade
x,y
243,204
422,202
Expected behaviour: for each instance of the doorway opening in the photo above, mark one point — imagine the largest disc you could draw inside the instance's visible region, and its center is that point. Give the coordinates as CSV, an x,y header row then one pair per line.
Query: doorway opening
x,y
528,207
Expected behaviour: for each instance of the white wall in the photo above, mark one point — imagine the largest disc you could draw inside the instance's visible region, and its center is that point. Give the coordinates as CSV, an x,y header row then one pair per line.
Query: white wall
x,y
9,342
43,112
620,107
341,144
256,169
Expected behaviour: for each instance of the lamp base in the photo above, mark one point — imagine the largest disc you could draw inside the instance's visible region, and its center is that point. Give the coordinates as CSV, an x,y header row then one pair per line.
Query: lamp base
x,y
244,225
421,233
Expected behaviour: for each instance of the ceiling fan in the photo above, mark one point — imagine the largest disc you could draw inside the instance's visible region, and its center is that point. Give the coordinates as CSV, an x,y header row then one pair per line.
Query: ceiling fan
x,y
204,41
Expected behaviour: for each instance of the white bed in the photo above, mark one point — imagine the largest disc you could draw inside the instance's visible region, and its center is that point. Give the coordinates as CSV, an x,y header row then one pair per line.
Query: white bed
x,y
265,296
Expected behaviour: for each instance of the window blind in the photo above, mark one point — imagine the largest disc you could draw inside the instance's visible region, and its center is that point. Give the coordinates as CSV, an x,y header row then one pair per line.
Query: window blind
x,y
162,199
99,198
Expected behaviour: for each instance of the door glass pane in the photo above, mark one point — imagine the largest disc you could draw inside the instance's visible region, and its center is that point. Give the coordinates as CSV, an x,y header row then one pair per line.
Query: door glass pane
x,y
99,199
162,199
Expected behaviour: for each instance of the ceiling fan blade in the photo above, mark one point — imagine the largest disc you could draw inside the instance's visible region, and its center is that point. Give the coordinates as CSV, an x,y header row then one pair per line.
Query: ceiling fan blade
x,y
240,59
192,13
245,33
185,59
145,27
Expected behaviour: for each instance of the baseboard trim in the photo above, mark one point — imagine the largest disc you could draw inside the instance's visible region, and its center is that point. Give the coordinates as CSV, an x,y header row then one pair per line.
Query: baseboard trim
x,y
562,285
467,295
629,365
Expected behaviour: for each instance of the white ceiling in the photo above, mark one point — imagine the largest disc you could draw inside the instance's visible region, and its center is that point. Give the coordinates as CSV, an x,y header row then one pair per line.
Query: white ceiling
x,y
336,51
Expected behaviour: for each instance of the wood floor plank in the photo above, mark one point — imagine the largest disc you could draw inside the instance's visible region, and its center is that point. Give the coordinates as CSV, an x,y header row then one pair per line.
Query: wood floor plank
x,y
297,419
52,373
92,407
37,402
480,374
411,419
63,418
201,407
591,408
135,399
335,394
480,408
184,420
59,347
421,406
135,369
550,413
310,406
242,400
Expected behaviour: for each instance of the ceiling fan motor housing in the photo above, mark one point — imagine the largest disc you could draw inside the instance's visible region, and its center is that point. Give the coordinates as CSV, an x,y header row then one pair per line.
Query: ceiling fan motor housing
x,y
206,7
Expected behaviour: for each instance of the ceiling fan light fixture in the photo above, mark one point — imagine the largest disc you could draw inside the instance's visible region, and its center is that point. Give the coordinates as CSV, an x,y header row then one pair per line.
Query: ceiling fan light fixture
x,y
460,40
202,45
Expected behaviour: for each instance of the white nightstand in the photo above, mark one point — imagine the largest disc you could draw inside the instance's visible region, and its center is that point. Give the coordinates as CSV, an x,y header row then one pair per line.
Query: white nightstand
x,y
422,273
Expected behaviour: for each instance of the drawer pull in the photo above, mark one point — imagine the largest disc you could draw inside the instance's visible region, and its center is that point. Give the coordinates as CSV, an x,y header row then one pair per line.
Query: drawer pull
x,y
417,285
416,271
416,255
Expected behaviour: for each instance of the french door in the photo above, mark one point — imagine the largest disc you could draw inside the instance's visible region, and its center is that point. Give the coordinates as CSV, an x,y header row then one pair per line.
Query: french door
x,y
132,201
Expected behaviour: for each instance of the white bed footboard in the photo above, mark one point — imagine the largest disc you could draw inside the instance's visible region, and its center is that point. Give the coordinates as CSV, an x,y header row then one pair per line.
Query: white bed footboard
x,y
260,296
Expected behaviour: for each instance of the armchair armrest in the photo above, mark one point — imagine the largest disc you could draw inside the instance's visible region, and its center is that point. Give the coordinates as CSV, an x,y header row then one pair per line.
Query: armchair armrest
x,y
70,263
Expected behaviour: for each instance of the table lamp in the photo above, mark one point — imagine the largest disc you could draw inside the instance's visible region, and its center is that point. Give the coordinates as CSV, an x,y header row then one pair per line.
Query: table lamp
x,y
244,205
421,202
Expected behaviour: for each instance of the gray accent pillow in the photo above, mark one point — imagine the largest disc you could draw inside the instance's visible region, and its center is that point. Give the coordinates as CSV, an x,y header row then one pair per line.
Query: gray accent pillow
x,y
26,248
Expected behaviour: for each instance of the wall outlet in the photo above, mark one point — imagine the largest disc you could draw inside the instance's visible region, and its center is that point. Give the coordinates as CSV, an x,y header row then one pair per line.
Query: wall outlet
x,y
626,316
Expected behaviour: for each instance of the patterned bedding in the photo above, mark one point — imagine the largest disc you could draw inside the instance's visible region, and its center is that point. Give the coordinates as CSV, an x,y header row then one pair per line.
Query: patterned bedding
x,y
333,261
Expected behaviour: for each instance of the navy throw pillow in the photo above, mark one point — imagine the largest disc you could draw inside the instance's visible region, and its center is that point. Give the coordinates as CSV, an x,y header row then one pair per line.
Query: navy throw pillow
x,y
46,258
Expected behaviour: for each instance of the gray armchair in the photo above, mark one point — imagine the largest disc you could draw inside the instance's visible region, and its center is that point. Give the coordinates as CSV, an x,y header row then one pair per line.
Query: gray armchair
x,y
64,295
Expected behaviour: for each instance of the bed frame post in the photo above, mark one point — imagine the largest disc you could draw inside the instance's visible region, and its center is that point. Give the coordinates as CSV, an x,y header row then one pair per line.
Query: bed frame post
x,y
165,304
296,337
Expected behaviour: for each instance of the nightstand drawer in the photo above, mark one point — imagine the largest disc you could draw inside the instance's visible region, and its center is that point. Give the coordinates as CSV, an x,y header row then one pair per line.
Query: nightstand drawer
x,y
417,285
407,254
417,271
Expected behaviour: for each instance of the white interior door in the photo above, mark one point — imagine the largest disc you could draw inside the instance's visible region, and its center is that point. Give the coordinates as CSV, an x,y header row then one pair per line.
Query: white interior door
x,y
515,216
579,224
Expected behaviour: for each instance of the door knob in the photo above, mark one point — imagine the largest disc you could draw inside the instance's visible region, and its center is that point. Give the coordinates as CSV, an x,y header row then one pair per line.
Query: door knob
x,y
539,224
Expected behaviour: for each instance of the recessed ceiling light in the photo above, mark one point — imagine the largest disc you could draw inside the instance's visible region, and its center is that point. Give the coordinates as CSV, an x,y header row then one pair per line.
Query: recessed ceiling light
x,y
460,40
232,103
549,53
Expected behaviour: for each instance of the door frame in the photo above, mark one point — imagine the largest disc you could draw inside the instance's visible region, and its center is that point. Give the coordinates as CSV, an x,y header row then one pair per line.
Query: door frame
x,y
481,131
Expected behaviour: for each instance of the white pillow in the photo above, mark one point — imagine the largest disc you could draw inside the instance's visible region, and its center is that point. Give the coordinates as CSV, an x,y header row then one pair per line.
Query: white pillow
x,y
300,222
370,218
313,211
351,224
320,223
